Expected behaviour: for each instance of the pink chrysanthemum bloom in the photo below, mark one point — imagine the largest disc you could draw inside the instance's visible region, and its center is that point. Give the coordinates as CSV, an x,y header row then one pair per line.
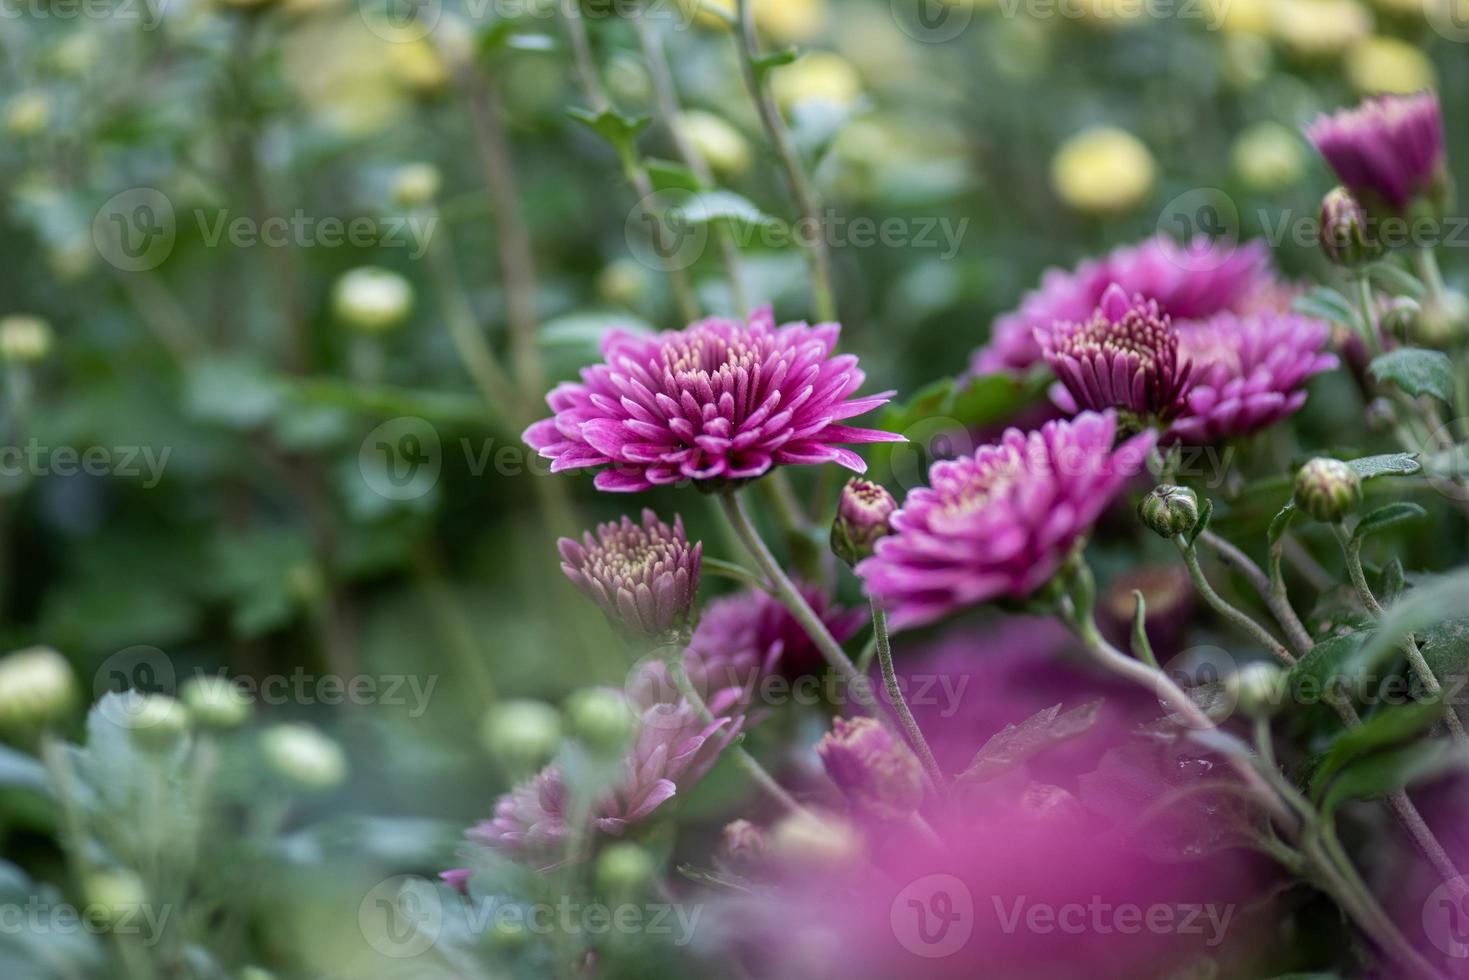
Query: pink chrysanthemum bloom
x,y
718,401
644,578
999,524
1389,150
1189,282
1124,357
754,624
1248,372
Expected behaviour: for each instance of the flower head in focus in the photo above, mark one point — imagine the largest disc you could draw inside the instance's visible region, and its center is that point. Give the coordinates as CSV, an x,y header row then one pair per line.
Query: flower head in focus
x,y
644,577
1249,372
717,402
999,524
1389,150
1189,282
1124,357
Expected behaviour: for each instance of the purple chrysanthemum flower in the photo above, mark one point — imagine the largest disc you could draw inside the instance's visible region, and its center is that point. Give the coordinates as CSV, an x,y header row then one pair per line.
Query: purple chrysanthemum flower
x,y
1249,372
1389,149
643,577
754,624
875,771
717,401
999,524
1186,287
1124,357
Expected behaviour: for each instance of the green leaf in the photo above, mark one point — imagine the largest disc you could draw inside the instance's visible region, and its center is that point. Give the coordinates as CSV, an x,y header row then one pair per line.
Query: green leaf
x,y
1330,659
1014,744
1393,580
1327,304
1206,511
1399,281
1393,464
711,206
1388,727
1281,522
670,176
1445,646
1418,372
1387,772
235,392
614,127
1428,605
20,771
775,59
1390,516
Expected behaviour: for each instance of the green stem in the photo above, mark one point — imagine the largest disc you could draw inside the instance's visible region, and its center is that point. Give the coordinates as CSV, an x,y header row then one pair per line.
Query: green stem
x,y
1372,337
900,703
1271,588
1229,612
1426,259
730,570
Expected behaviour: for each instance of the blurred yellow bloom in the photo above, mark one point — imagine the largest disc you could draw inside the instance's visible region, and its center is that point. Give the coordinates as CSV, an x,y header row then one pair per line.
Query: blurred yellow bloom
x,y
418,67
1321,28
1250,17
27,114
1387,64
722,146
1268,156
820,76
1102,170
339,68
783,21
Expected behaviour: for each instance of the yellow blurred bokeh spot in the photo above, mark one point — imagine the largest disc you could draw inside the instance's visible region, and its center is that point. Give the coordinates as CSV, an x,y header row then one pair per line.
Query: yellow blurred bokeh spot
x,y
1103,170
1388,64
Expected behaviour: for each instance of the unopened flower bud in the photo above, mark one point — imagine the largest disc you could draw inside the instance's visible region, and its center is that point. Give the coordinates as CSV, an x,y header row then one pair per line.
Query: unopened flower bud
x,y
1258,689
24,339
599,717
1442,322
815,839
372,300
305,756
623,868
875,772
216,702
644,577
521,735
37,687
744,847
1170,511
156,721
416,185
624,281
1345,237
722,146
862,518
114,897
1400,316
1328,489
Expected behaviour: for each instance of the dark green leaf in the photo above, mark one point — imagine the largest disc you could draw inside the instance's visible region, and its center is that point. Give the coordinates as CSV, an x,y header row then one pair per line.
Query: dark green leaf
x,y
1327,304
710,206
1281,523
1418,372
774,59
1014,744
1387,517
1388,727
669,176
614,127
1393,464
1205,513
1387,772
1329,659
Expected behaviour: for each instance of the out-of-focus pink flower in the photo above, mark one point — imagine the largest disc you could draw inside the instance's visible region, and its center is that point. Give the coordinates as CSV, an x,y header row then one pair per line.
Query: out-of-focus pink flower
x,y
753,624
1125,356
1000,523
1188,282
1248,372
643,577
1389,149
717,401
877,773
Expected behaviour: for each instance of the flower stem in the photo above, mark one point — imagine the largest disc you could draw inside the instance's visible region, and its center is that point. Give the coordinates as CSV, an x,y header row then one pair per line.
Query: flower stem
x,y
1352,550
790,596
1229,612
895,696
1272,591
819,253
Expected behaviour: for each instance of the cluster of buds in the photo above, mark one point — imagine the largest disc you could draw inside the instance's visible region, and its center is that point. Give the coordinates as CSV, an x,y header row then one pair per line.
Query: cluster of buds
x,y
1328,489
877,774
1258,689
1170,511
862,518
644,577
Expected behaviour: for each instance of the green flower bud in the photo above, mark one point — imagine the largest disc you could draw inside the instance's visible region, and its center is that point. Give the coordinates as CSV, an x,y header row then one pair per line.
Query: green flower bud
x,y
1345,237
1328,489
1443,322
1400,316
305,756
623,868
37,687
416,185
813,840
521,735
599,717
216,702
623,282
1170,511
862,518
1258,689
24,339
372,300
156,721
113,897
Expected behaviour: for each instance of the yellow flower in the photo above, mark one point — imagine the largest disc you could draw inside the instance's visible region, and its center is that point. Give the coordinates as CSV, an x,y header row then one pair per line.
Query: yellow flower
x,y
1249,17
418,67
1387,64
1321,28
820,76
783,21
1102,170
28,114
722,146
1268,157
